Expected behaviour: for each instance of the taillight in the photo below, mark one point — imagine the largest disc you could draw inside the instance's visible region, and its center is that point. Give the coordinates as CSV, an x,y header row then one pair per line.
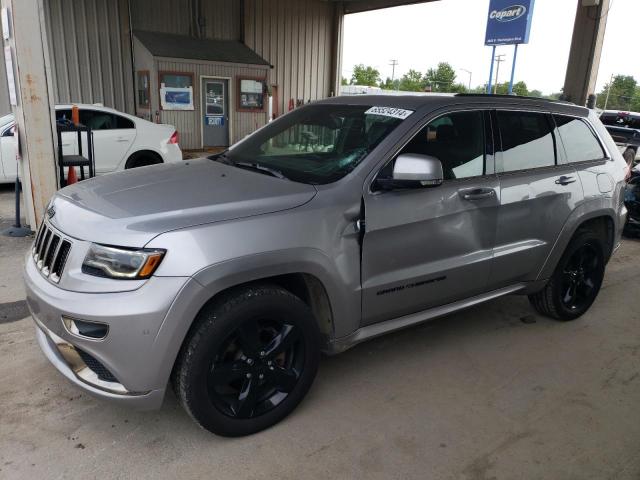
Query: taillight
x,y
174,138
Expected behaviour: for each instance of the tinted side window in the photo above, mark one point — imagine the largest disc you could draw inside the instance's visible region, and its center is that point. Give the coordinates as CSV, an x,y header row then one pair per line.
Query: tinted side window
x,y
121,122
579,142
457,140
527,141
63,115
97,120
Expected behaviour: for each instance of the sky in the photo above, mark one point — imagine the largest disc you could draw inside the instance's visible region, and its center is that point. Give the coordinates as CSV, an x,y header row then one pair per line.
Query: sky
x,y
420,36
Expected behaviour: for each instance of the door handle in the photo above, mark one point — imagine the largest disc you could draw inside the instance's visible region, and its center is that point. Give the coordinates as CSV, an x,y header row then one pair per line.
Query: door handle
x,y
565,180
120,139
472,194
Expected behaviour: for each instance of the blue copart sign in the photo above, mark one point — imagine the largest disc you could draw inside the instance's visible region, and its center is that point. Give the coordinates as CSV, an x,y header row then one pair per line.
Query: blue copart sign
x,y
509,22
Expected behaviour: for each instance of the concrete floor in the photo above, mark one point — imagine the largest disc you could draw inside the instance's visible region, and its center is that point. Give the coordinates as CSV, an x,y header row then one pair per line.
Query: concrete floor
x,y
495,392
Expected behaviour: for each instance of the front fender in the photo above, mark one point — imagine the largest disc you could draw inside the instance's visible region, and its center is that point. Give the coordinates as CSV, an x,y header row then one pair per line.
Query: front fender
x,y
344,302
209,282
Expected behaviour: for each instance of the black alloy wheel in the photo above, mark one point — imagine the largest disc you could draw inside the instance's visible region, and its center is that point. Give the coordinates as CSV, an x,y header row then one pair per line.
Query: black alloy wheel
x,y
256,368
581,278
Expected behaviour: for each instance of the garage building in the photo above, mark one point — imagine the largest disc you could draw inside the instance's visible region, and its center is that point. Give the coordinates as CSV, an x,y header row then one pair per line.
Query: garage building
x,y
120,52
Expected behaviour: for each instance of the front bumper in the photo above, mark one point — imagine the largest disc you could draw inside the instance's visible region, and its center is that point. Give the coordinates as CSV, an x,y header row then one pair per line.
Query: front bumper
x,y
135,353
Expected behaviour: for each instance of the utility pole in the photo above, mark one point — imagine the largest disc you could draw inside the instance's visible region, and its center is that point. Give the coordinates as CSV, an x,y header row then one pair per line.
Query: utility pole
x,y
394,64
470,76
499,60
606,101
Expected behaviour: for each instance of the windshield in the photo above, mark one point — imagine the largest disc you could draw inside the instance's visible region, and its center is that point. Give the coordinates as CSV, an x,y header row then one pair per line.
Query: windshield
x,y
317,144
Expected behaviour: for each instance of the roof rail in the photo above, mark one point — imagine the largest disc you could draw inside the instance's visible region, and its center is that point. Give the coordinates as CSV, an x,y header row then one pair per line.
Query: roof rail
x,y
519,97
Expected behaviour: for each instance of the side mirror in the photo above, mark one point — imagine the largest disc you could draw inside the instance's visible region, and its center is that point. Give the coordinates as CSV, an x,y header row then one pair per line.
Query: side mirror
x,y
413,170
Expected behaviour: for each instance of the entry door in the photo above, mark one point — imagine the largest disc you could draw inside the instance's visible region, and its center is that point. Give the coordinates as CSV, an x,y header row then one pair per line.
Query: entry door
x,y
431,246
215,106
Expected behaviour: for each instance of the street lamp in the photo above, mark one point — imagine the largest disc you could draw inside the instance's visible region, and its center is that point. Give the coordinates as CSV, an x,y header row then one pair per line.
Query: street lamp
x,y
470,76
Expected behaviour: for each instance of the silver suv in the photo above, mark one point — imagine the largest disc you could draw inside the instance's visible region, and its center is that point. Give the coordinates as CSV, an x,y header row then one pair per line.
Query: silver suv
x,y
341,221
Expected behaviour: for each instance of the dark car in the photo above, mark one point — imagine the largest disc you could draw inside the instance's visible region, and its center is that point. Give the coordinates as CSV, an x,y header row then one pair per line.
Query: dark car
x,y
624,128
632,202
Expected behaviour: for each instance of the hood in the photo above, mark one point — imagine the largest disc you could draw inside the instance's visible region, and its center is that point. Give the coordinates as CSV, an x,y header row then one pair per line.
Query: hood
x,y
130,208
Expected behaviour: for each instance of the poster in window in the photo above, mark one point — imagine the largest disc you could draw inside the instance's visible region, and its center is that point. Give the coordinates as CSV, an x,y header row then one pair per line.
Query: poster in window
x,y
251,94
176,91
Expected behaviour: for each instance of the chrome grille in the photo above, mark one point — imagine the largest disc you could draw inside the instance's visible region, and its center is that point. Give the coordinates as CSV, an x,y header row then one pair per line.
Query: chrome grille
x,y
50,252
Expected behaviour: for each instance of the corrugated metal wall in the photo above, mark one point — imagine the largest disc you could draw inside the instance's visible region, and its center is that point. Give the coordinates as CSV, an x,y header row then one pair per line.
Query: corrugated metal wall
x,y
90,51
221,17
296,37
189,123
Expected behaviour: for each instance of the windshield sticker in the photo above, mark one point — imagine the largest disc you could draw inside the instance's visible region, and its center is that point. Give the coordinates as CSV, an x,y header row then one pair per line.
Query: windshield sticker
x,y
400,113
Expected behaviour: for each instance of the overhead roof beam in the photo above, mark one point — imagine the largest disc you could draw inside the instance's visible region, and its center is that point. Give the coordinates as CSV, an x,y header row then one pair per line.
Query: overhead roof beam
x,y
357,6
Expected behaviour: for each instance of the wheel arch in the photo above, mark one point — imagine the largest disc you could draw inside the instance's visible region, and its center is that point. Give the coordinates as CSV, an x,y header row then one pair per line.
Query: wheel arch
x,y
134,156
602,220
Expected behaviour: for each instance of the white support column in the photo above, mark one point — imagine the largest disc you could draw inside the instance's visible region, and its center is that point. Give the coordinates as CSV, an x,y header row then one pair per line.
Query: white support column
x,y
34,111
586,49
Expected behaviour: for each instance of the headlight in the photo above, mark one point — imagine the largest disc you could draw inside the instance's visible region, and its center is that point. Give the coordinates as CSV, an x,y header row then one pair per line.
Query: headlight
x,y
121,263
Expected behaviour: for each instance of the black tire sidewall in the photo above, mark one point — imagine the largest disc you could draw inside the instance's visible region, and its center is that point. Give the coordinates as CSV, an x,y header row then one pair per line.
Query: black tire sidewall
x,y
220,323
584,238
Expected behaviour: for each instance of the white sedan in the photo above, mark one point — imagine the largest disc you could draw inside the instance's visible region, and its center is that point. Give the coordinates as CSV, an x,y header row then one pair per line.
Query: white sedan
x,y
120,141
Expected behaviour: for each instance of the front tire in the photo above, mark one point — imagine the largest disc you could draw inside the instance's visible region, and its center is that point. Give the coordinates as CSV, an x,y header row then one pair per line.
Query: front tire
x,y
576,281
248,361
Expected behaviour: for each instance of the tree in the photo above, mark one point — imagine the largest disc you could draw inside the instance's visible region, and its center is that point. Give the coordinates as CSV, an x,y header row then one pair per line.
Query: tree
x,y
458,88
536,93
622,93
519,88
389,84
344,81
365,75
412,81
441,79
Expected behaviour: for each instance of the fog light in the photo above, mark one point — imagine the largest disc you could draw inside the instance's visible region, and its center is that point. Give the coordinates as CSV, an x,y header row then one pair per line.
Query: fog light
x,y
83,328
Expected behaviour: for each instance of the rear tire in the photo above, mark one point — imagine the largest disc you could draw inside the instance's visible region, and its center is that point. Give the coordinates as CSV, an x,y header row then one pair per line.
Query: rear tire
x,y
576,281
248,361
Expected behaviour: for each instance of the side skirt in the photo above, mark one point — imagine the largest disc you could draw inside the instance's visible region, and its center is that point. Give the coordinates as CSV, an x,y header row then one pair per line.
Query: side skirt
x,y
339,345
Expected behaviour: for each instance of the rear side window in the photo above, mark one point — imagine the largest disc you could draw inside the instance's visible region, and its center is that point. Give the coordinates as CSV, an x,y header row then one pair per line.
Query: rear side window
x,y
457,140
99,120
527,141
579,141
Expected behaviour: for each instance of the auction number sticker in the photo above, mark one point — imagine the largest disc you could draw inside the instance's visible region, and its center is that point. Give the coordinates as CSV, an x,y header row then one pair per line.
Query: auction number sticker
x,y
400,113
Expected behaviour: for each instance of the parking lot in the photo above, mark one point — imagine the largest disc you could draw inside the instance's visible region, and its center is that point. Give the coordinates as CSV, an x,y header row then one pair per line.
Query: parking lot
x,y
489,393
